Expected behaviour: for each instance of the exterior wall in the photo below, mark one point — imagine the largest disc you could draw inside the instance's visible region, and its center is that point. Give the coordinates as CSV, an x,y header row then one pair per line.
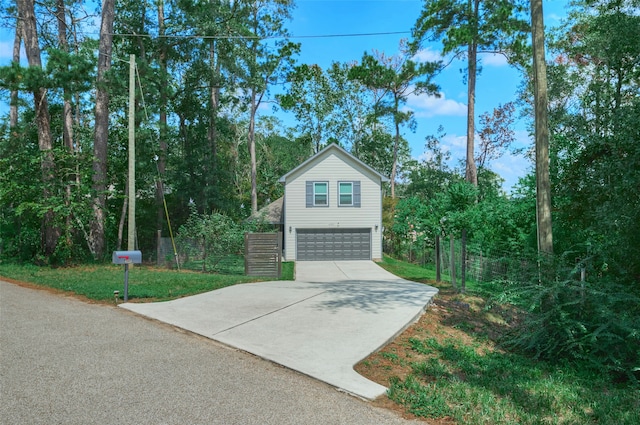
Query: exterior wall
x,y
333,169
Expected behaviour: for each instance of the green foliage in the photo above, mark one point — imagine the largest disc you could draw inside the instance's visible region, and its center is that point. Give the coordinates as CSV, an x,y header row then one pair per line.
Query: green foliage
x,y
494,25
595,320
471,386
594,126
215,240
465,379
494,223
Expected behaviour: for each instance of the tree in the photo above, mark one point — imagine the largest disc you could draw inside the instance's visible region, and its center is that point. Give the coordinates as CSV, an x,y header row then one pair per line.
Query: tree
x,y
101,132
543,183
50,232
397,77
265,68
206,72
471,27
594,110
496,134
327,105
312,100
432,175
13,107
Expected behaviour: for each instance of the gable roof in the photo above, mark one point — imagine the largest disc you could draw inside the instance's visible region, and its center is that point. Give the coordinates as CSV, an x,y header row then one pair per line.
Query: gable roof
x,y
338,151
272,213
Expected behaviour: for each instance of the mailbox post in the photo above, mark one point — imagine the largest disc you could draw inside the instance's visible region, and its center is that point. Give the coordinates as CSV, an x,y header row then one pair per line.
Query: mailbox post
x,y
126,258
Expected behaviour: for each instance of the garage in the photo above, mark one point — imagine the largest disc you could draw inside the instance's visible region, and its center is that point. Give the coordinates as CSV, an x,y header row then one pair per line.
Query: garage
x,y
333,244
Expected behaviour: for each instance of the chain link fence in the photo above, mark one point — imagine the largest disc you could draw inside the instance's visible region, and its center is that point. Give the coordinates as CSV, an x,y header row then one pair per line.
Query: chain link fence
x,y
480,265
192,255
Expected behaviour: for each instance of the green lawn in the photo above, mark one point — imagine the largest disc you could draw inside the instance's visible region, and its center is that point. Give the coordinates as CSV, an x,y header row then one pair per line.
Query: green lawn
x,y
97,282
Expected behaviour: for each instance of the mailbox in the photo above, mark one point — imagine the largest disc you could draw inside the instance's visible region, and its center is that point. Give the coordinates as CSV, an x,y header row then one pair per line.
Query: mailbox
x,y
127,257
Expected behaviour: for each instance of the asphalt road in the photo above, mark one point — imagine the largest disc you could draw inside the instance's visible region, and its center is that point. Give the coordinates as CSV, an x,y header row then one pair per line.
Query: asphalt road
x,y
64,361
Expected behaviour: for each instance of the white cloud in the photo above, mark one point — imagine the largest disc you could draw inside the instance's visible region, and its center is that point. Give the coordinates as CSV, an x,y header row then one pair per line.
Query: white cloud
x,y
510,168
6,50
553,17
455,142
494,59
429,106
427,55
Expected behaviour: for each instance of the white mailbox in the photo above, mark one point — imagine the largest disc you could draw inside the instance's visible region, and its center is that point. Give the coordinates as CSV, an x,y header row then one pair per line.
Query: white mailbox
x,y
127,257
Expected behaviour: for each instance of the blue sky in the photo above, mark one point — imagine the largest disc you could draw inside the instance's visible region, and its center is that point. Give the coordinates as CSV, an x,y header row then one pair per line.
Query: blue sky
x,y
496,85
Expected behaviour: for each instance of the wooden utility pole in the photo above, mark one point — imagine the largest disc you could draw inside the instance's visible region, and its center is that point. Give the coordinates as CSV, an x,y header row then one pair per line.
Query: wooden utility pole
x,y
131,228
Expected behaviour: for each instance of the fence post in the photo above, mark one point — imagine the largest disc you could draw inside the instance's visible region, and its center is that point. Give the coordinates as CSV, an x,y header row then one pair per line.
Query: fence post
x,y
246,252
452,262
159,249
438,259
279,255
463,262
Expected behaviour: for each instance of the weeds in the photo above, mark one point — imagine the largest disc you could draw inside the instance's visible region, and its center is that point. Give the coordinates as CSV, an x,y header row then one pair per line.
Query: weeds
x,y
450,366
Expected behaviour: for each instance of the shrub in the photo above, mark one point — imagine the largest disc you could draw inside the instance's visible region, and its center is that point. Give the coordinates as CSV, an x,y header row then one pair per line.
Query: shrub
x,y
596,320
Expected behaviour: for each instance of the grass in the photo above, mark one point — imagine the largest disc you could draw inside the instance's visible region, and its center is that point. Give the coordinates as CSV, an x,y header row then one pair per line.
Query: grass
x,y
446,368
449,368
97,282
417,273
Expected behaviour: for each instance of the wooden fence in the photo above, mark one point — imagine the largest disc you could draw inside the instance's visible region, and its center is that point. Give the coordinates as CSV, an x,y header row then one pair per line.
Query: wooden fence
x,y
263,254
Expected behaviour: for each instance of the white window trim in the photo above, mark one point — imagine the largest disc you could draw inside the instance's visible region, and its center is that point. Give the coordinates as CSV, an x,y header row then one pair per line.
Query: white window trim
x,y
326,194
340,203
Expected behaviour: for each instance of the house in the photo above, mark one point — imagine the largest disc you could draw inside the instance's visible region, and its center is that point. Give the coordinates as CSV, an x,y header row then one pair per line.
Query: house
x,y
333,208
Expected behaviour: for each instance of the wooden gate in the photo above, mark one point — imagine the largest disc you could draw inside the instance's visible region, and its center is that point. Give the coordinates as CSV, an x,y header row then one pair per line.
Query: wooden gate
x,y
263,254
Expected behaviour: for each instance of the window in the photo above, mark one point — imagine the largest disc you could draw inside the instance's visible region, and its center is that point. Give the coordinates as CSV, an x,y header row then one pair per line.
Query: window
x,y
345,193
349,194
320,194
317,194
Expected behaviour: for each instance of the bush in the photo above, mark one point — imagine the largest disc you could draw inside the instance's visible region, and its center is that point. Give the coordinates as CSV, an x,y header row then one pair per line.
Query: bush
x,y
596,320
214,241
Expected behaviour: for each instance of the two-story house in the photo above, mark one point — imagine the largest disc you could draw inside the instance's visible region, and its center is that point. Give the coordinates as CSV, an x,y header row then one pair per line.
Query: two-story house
x,y
333,208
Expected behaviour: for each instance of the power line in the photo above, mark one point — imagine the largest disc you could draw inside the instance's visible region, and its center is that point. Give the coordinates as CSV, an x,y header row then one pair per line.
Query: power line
x,y
253,37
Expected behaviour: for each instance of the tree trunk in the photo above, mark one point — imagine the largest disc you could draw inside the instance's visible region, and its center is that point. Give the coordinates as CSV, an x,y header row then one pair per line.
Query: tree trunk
x,y
543,183
101,132
252,153
252,117
396,144
471,172
50,233
212,133
67,114
13,108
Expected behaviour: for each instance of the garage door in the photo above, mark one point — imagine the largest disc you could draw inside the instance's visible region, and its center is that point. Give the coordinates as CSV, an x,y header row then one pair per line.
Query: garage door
x,y
333,244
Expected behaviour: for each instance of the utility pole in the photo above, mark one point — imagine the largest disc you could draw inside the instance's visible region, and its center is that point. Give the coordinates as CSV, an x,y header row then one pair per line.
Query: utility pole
x,y
131,228
543,183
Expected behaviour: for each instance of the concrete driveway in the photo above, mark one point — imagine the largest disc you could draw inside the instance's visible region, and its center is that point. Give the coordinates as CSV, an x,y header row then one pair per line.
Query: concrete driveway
x,y
332,316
